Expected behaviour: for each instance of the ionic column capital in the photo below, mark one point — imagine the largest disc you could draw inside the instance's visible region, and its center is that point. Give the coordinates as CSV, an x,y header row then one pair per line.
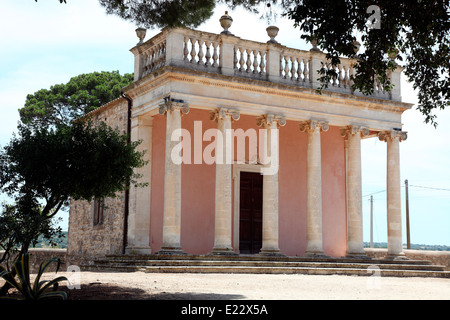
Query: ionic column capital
x,y
222,113
171,106
312,125
354,130
391,135
269,120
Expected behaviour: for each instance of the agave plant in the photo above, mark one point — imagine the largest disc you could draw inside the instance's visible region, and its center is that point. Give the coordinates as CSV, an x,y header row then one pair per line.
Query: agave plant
x,y
39,289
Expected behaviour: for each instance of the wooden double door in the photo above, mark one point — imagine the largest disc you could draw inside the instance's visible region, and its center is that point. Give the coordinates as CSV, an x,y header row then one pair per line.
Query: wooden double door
x,y
250,212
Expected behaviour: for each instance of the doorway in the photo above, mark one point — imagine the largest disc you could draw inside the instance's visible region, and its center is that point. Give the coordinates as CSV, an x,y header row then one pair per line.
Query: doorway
x,y
250,212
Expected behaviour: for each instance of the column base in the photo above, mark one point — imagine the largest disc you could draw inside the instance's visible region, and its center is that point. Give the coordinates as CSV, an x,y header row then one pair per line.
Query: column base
x,y
222,252
271,253
357,256
396,257
138,250
171,251
315,255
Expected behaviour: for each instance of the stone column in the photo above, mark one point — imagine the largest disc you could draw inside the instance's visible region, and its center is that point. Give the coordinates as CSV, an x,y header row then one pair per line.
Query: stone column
x,y
270,239
223,201
355,243
138,241
172,180
313,128
394,212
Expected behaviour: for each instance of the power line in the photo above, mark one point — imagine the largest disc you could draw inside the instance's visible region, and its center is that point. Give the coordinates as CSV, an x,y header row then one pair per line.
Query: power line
x,y
368,195
423,187
441,189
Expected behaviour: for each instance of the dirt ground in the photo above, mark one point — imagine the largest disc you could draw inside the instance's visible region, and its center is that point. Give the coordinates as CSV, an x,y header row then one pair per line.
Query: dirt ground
x,y
166,286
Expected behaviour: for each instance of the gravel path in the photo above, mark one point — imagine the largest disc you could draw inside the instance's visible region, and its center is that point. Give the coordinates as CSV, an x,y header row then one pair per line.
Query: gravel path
x,y
163,286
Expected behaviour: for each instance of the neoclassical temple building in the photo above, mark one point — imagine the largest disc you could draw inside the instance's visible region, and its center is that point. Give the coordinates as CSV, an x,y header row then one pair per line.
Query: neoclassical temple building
x,y
244,155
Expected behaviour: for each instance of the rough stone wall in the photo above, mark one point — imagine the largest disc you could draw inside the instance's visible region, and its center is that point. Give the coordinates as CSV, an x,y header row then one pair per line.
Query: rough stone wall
x,y
441,258
86,241
40,255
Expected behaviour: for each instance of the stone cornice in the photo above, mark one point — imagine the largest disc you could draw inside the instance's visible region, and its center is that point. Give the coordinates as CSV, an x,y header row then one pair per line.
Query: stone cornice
x,y
170,73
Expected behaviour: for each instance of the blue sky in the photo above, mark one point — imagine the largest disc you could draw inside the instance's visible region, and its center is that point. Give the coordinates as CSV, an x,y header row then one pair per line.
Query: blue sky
x,y
46,43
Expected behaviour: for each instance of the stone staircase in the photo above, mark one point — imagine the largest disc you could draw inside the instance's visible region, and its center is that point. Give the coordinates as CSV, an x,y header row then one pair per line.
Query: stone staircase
x,y
267,265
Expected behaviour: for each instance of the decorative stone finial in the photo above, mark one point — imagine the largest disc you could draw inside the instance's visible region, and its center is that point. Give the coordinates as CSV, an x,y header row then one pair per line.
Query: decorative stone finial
x,y
272,32
225,22
141,32
314,43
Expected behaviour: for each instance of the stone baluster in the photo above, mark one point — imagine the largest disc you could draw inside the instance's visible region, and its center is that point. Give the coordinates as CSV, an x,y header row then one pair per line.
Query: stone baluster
x,y
208,54
193,50
248,61
262,64
200,53
215,56
255,61
241,60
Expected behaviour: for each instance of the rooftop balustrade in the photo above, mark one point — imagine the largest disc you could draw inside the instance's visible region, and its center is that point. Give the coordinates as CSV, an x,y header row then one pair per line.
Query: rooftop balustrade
x,y
230,55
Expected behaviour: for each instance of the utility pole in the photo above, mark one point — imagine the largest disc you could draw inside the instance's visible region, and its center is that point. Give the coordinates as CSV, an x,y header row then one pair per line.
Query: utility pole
x,y
371,221
408,242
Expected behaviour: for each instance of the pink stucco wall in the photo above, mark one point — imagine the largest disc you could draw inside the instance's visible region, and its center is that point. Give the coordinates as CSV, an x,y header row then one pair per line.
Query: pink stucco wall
x,y
334,221
157,183
198,189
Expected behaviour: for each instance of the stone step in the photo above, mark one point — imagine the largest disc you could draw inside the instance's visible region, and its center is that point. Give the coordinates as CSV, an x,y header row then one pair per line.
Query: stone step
x,y
276,270
262,263
268,265
157,257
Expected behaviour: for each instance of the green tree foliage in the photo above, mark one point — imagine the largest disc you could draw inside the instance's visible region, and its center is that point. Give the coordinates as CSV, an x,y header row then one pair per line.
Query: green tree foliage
x,y
416,33
161,13
63,103
80,161
43,168
54,158
22,225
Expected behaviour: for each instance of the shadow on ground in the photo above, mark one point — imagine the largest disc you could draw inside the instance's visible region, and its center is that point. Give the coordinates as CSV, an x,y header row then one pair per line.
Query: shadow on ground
x,y
101,291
